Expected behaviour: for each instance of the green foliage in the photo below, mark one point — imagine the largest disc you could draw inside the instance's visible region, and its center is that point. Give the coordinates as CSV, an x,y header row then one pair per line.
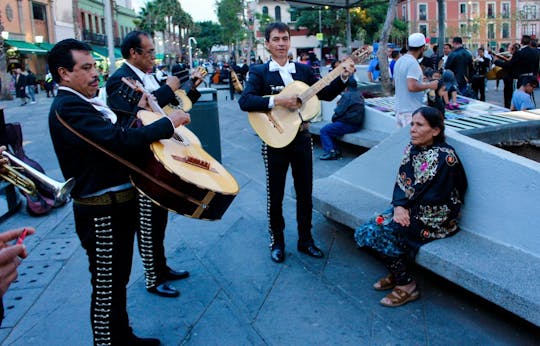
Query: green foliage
x,y
161,16
208,34
230,16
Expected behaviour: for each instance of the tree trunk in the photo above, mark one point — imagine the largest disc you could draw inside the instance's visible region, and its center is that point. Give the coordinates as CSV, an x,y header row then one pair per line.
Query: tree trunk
x,y
441,28
5,78
386,82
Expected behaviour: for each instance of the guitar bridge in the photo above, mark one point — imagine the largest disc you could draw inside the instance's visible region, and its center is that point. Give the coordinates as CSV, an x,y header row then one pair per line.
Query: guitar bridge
x,y
274,122
190,160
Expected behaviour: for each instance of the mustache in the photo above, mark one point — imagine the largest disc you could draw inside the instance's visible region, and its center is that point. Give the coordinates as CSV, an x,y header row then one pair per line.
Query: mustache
x,y
94,80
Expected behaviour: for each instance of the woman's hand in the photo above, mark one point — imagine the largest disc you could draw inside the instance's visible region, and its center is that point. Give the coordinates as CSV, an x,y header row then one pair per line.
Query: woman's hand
x,y
402,216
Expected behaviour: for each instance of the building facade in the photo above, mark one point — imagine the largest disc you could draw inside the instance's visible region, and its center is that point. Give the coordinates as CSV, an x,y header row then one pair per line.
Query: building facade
x,y
482,23
279,11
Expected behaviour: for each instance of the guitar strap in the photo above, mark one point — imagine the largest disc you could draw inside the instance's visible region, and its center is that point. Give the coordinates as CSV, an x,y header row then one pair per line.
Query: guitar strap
x,y
130,165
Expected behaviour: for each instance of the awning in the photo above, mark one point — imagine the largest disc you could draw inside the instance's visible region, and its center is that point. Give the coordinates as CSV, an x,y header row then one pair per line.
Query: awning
x,y
104,51
25,47
46,45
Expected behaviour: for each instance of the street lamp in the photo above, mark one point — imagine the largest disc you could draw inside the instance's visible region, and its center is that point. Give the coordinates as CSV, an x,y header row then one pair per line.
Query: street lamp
x,y
5,35
39,39
190,51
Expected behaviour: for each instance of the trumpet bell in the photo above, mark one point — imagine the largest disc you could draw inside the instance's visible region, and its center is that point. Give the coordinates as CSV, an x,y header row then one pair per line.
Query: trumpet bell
x,y
62,191
33,181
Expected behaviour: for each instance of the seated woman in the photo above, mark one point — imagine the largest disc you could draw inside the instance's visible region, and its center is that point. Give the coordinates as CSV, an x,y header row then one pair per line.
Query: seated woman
x,y
427,197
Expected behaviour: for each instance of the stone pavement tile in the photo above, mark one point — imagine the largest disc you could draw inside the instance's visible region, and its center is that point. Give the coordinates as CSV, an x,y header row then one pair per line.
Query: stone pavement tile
x,y
221,325
481,322
397,326
60,315
300,310
241,263
16,304
172,319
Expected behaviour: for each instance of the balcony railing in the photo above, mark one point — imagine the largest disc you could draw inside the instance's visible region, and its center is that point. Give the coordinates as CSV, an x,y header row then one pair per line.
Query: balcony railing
x,y
94,38
99,39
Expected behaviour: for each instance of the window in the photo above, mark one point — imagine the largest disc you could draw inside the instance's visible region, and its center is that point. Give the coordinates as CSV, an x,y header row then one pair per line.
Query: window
x,y
39,11
533,29
423,29
90,23
83,20
505,10
422,12
265,10
491,31
277,10
403,12
491,10
294,14
463,8
463,29
505,32
474,10
97,24
530,12
524,29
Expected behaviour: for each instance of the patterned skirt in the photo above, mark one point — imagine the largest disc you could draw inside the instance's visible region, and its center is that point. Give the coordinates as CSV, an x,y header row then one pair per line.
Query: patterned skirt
x,y
389,238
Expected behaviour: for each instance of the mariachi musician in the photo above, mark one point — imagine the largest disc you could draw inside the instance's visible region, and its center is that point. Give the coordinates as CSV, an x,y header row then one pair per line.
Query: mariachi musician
x,y
84,132
524,62
138,50
266,79
508,74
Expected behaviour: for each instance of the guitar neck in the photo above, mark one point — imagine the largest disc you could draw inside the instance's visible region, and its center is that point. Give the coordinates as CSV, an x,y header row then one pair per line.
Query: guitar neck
x,y
321,84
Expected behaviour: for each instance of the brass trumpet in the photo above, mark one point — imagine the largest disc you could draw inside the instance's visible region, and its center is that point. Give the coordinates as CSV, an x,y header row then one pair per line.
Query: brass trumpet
x,y
29,180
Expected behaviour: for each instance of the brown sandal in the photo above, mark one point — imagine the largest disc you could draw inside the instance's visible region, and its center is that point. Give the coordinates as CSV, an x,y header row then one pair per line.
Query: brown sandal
x,y
400,297
385,283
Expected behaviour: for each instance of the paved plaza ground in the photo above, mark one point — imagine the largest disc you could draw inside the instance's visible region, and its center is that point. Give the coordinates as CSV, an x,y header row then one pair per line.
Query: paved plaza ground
x,y
236,295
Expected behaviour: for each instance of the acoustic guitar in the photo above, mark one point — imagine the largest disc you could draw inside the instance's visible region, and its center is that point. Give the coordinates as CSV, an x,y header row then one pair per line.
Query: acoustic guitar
x,y
278,126
184,103
238,87
198,186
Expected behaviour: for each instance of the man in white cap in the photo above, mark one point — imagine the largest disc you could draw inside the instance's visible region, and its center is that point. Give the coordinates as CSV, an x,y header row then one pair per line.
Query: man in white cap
x,y
408,82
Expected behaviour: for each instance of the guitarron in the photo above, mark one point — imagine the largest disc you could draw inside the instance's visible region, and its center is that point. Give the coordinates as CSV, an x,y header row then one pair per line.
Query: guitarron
x,y
278,126
181,175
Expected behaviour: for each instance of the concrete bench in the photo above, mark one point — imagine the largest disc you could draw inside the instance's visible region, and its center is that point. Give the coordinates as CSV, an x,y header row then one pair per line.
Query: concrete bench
x,y
375,129
365,137
497,252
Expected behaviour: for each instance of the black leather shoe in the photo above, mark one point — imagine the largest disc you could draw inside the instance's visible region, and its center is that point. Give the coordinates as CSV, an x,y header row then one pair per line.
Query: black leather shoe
x,y
171,274
310,249
164,290
277,254
136,341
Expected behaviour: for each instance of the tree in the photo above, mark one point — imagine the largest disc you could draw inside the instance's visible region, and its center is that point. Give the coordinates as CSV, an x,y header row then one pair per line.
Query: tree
x,y
229,13
386,82
4,75
208,34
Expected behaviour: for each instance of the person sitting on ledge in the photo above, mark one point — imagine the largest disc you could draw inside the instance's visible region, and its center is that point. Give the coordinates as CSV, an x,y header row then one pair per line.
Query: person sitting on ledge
x,y
523,97
348,118
426,203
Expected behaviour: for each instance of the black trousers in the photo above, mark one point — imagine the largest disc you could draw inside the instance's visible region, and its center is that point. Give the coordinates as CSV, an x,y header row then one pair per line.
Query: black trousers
x,y
299,155
152,222
479,87
107,234
508,90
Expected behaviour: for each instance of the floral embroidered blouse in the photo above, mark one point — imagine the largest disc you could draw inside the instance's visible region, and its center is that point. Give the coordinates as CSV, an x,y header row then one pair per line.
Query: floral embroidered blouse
x,y
431,183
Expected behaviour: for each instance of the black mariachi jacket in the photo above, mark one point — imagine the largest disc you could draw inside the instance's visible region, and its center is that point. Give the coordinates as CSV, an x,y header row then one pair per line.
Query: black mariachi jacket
x,y
92,169
261,81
